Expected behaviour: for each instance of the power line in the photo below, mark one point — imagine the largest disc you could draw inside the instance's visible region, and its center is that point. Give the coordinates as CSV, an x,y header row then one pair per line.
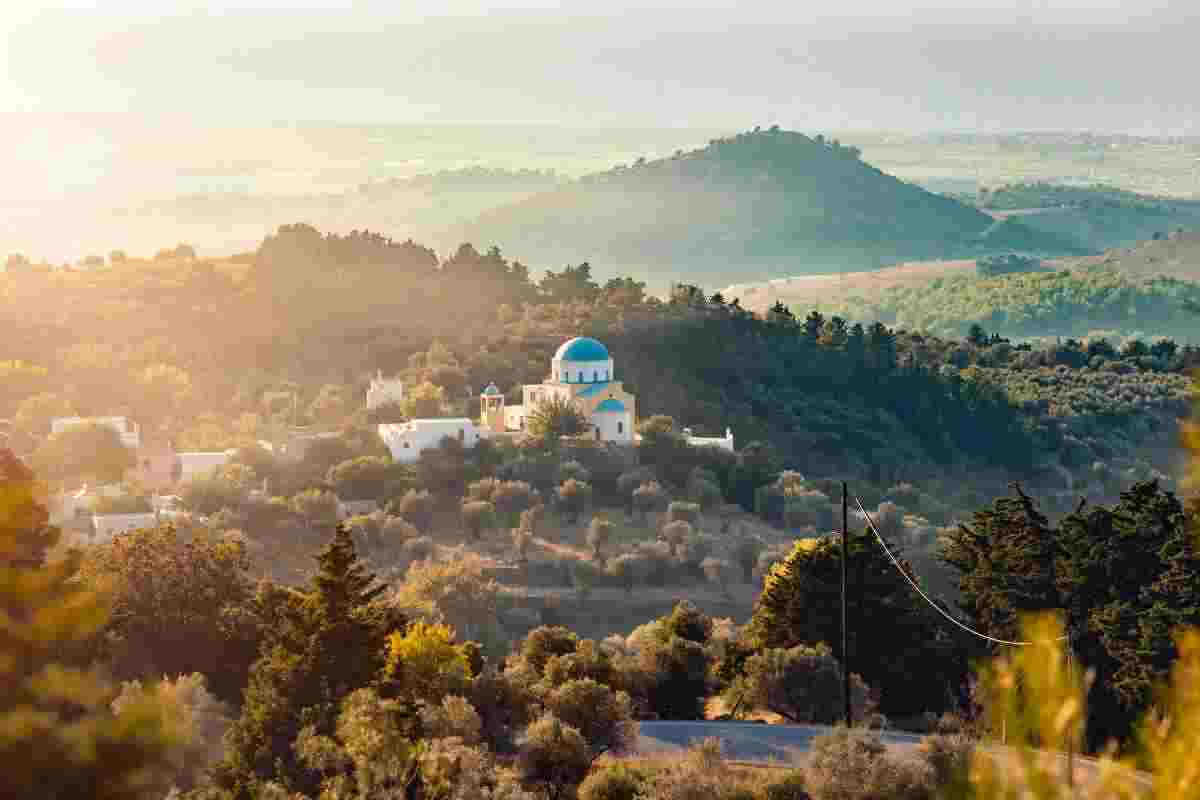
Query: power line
x,y
925,597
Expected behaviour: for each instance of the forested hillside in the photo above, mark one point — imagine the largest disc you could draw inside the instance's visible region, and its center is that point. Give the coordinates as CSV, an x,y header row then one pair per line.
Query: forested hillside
x,y
759,204
191,347
1096,217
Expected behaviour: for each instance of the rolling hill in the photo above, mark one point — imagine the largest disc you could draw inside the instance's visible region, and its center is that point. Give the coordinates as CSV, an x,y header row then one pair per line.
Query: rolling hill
x,y
1098,217
756,205
1145,291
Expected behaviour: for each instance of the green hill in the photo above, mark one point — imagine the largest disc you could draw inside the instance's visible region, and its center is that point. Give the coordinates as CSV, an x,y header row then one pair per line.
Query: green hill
x,y
755,205
1096,217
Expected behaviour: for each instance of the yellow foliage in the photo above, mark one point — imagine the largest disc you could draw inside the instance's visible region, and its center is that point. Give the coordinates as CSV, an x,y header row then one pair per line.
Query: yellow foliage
x,y
1032,693
425,662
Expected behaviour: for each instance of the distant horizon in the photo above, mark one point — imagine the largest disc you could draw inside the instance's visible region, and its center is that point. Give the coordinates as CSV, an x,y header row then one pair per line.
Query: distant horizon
x,y
281,123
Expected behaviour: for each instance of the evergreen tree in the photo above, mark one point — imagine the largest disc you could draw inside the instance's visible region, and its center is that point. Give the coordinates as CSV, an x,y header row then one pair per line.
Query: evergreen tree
x,y
322,645
897,644
59,737
1005,561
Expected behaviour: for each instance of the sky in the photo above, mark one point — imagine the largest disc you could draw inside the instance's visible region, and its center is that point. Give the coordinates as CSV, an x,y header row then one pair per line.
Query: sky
x,y
982,65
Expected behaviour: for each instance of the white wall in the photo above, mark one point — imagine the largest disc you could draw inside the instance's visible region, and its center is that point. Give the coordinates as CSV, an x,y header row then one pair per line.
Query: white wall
x,y
406,440
593,371
193,464
382,392
614,426
128,430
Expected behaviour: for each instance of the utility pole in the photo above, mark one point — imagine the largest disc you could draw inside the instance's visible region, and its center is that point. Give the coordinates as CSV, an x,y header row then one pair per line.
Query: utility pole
x,y
845,629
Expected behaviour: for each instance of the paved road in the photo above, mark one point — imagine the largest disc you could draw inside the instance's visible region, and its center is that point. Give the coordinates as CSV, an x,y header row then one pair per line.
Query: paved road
x,y
748,741
787,744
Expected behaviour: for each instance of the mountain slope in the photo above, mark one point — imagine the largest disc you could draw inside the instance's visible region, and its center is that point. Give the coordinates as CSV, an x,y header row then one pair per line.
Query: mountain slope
x,y
756,205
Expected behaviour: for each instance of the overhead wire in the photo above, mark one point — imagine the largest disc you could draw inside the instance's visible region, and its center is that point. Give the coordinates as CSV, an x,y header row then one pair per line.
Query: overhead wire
x,y
925,597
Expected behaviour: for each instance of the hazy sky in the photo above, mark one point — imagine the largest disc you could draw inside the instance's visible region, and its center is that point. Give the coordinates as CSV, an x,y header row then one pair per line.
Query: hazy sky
x,y
1113,65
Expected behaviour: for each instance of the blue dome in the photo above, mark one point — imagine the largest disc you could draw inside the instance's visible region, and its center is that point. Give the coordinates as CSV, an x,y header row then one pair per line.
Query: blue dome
x,y
582,348
491,390
611,406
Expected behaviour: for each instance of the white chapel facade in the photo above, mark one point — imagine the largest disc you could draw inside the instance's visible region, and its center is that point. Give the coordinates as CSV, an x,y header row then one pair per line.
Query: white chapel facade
x,y
582,373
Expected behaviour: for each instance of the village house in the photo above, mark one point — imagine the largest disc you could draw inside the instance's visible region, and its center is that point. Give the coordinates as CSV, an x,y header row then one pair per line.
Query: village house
x,y
406,440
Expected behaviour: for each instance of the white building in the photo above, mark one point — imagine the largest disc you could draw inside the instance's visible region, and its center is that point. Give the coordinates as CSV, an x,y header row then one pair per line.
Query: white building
x,y
384,391
193,464
406,440
725,443
127,429
582,372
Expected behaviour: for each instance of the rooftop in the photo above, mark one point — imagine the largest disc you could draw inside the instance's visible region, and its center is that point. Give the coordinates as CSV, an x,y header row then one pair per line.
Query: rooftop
x,y
582,348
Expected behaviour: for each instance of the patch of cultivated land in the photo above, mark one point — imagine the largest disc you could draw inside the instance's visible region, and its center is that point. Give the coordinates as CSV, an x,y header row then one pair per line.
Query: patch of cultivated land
x,y
812,289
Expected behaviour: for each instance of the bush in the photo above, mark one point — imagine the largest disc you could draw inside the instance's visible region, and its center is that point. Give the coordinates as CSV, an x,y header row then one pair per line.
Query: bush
x,y
803,684
545,642
602,716
453,717
851,765
417,508
574,497
554,758
477,517
789,787
948,757
613,782
685,512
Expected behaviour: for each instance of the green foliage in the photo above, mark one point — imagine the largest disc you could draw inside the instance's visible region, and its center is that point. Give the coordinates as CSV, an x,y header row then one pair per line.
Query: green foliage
x,y
613,782
574,497
602,716
800,604
852,765
554,759
362,478
60,737
802,684
321,646
181,604
555,418
1127,575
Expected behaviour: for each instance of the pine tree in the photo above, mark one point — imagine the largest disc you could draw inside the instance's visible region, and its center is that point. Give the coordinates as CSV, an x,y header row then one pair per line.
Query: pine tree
x,y
327,643
1006,564
59,738
898,645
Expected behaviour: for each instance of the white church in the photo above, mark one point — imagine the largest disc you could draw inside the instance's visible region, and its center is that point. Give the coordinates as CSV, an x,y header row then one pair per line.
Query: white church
x,y
582,372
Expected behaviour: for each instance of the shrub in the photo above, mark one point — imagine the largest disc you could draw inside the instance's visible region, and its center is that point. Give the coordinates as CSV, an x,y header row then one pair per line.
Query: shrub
x,y
851,765
649,497
685,512
948,757
803,684
598,536
789,787
417,508
574,497
477,516
602,716
612,782
453,717
544,642
554,758
676,533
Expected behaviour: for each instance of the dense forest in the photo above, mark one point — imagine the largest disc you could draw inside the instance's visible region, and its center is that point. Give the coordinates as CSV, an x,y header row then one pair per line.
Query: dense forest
x,y
759,204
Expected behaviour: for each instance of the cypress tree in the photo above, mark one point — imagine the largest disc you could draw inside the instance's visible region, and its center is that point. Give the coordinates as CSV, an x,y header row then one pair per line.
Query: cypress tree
x,y
326,643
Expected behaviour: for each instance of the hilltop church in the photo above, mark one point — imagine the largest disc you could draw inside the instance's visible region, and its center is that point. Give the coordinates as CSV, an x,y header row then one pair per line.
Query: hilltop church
x,y
582,372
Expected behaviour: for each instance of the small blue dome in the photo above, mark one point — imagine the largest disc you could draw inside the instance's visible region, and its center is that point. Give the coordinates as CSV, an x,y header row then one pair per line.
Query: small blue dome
x,y
582,348
611,406
491,391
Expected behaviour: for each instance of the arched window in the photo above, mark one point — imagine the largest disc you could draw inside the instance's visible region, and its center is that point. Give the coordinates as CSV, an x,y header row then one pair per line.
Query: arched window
x,y
595,375
580,377
620,427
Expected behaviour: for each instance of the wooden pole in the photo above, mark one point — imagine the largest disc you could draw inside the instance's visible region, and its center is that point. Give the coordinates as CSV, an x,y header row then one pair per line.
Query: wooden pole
x,y
845,629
